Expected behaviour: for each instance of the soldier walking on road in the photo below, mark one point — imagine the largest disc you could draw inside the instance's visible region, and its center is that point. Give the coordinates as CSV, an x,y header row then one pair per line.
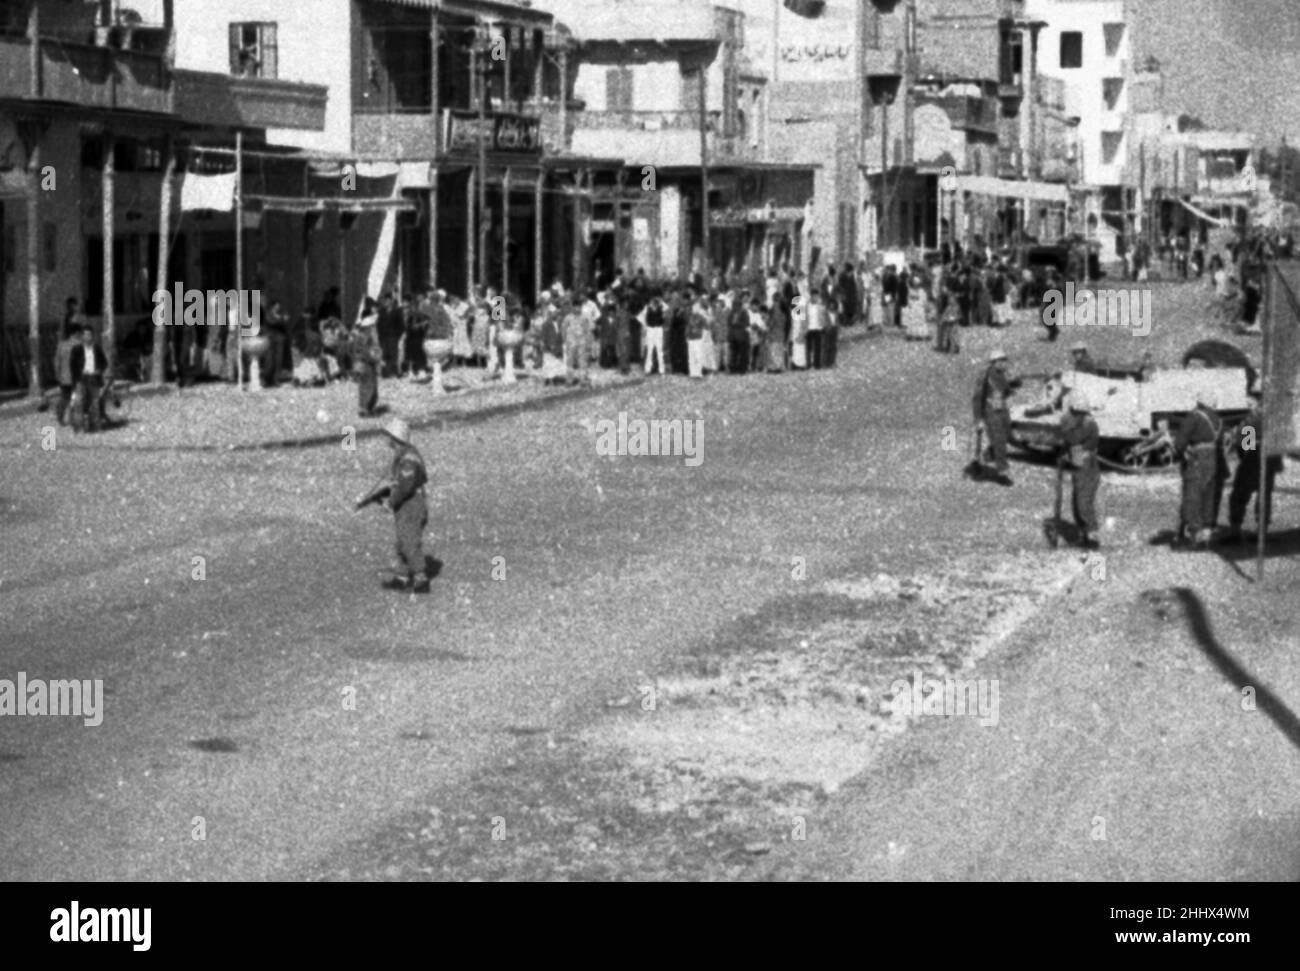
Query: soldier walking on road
x,y
1082,440
404,492
993,414
1198,444
1246,443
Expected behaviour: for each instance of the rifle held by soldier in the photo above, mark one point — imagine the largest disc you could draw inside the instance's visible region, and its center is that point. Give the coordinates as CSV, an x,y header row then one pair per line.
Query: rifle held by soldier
x,y
376,495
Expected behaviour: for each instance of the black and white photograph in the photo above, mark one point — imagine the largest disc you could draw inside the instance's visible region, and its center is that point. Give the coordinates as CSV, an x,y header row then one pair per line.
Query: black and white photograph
x,y
651,441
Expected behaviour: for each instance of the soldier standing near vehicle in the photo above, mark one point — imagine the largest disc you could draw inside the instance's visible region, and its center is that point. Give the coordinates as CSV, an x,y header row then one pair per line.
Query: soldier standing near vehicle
x,y
1198,444
404,492
1247,442
1082,439
993,413
1080,359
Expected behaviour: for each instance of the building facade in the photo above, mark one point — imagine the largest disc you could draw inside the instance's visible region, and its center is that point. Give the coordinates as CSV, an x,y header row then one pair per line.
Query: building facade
x,y
674,91
97,128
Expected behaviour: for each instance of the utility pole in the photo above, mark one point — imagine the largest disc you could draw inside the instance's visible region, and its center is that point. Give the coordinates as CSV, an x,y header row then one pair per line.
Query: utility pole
x,y
483,43
159,364
239,260
704,169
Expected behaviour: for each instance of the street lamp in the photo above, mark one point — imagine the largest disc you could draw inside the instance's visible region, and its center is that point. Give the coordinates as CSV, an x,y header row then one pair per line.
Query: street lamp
x,y
883,89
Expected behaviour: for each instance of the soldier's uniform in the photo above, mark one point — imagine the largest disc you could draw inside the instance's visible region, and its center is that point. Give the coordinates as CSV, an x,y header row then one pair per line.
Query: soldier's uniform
x,y
1246,443
992,408
407,477
1082,439
1198,444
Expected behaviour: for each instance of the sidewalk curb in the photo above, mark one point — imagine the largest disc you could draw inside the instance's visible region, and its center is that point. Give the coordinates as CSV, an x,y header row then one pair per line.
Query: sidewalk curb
x,y
463,418
853,335
454,418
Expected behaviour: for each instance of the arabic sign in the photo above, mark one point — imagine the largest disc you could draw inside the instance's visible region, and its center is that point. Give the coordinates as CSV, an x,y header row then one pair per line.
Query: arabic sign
x,y
798,53
514,134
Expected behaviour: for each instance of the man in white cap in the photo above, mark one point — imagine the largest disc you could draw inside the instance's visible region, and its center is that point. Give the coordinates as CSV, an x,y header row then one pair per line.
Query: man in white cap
x,y
1247,442
1197,442
404,490
993,413
1080,360
1082,440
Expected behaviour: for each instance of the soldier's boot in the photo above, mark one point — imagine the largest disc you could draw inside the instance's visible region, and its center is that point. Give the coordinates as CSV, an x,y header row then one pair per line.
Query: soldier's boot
x,y
397,582
1234,533
421,584
1203,538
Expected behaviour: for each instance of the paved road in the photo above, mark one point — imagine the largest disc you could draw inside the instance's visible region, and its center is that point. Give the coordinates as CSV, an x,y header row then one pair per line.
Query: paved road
x,y
609,565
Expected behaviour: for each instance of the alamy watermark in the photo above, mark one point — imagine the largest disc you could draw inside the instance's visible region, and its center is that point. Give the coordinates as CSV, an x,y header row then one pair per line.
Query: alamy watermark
x,y
36,696
656,436
949,697
1073,307
209,308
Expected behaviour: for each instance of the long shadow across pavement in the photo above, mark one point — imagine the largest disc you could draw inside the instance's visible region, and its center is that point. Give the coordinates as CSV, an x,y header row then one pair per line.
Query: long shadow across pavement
x,y
1269,703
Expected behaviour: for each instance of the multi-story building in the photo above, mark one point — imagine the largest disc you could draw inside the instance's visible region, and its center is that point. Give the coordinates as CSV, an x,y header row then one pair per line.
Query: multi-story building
x,y
97,129
811,54
1190,179
962,157
1086,45
674,91
456,114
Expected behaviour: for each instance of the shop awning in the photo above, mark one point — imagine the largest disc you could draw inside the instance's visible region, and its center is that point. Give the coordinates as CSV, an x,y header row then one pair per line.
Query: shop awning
x,y
1202,214
985,185
489,8
298,204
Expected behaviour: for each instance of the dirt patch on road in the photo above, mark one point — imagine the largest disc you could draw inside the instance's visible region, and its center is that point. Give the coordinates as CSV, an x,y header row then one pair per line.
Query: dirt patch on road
x,y
701,771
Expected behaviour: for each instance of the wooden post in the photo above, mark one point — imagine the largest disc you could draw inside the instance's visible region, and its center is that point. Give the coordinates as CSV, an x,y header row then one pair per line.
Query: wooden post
x,y
34,269
435,65
34,213
704,172
34,48
433,226
158,371
505,230
306,242
1270,308
239,256
538,199
564,98
506,35
109,335
577,229
471,237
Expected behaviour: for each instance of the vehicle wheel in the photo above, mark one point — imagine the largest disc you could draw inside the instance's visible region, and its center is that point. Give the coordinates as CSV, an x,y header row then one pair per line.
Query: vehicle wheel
x,y
1133,459
1163,456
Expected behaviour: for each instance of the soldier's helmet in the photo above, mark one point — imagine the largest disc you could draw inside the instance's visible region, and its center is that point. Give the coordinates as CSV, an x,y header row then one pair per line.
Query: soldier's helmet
x,y
997,355
398,430
1079,403
1206,398
1078,347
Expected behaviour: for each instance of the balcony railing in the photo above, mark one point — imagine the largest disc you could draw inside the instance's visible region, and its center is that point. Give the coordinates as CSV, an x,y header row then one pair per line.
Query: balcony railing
x,y
82,74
